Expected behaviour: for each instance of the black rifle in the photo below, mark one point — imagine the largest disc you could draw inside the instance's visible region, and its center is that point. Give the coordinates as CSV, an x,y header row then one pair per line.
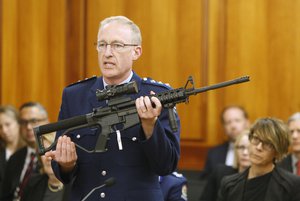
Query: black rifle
x,y
121,110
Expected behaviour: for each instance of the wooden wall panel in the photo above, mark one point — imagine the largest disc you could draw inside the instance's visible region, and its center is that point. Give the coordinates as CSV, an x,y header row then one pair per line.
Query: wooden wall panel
x,y
262,41
33,52
75,35
46,45
0,49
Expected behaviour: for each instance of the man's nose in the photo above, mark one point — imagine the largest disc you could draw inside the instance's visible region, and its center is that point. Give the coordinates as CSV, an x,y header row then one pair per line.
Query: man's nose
x,y
29,126
108,51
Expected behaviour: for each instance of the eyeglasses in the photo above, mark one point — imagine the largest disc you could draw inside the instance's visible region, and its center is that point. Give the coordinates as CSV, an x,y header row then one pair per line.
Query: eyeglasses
x,y
115,46
33,122
256,141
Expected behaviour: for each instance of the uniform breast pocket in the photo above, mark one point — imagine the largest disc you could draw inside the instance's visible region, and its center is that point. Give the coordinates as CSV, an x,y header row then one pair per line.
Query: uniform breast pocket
x,y
131,153
86,138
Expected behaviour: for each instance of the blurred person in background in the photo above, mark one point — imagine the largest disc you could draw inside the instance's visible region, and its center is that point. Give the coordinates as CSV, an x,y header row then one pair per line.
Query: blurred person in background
x,y
269,143
10,139
292,162
241,163
45,186
234,120
23,163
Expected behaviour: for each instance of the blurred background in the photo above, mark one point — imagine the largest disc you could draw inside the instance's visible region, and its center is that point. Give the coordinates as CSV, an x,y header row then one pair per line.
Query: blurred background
x,y
49,44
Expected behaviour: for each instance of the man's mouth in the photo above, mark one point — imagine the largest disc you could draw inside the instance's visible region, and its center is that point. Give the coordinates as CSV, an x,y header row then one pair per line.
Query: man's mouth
x,y
109,64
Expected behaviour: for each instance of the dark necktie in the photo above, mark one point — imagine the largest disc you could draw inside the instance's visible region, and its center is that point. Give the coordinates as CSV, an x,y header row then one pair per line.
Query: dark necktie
x,y
27,175
298,168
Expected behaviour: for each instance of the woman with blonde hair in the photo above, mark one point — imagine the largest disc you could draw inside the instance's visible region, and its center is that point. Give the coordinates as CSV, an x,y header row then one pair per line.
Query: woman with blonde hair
x,y
10,138
241,160
10,130
241,163
264,181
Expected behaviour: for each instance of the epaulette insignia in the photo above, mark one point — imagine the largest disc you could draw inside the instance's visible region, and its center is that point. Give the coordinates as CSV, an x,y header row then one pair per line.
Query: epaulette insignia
x,y
85,80
158,83
176,174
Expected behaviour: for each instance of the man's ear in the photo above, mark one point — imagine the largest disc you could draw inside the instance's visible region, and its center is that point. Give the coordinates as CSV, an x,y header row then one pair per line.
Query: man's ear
x,y
137,52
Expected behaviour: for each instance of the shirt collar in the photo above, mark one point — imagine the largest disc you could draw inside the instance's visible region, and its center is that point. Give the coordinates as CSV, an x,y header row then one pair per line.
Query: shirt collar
x,y
294,160
231,145
125,81
30,150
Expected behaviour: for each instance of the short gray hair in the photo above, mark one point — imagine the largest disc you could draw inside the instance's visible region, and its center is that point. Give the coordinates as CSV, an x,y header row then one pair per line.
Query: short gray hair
x,y
137,36
294,117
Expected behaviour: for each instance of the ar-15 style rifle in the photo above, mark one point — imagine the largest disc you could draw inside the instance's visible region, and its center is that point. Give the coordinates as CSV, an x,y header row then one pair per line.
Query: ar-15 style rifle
x,y
121,110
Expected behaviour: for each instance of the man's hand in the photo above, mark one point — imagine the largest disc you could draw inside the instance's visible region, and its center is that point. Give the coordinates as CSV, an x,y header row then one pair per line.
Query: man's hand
x,y
147,113
65,154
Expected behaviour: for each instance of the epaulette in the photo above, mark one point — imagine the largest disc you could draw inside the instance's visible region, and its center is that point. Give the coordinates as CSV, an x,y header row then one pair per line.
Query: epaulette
x,y
147,80
176,174
82,81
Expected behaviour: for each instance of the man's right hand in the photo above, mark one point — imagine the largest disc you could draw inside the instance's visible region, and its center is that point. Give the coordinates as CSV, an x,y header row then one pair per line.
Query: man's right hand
x,y
65,154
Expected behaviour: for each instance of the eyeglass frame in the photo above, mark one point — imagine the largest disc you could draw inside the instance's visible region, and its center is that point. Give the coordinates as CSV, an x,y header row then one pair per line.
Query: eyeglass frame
x,y
113,46
242,148
33,121
265,145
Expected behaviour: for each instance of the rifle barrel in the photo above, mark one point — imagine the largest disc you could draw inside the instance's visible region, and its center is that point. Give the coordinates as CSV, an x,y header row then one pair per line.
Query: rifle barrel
x,y
219,85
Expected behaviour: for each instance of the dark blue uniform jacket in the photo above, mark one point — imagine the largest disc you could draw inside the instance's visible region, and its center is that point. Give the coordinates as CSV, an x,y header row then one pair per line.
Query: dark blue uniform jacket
x,y
136,167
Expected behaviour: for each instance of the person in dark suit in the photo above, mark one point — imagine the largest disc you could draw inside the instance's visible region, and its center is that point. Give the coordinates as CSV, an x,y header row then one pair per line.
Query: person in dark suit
x,y
23,162
269,142
174,187
10,139
292,162
241,163
135,156
234,120
46,186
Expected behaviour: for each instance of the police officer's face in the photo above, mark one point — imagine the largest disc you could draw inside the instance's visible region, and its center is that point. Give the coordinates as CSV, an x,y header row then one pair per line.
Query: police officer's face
x,y
116,65
294,128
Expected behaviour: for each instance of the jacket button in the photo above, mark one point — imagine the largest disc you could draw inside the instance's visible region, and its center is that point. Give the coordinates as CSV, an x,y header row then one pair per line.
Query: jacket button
x,y
77,136
103,173
102,195
133,139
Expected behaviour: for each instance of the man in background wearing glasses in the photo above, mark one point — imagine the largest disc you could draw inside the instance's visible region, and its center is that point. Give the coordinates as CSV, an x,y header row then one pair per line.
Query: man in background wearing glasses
x,y
292,162
135,156
23,163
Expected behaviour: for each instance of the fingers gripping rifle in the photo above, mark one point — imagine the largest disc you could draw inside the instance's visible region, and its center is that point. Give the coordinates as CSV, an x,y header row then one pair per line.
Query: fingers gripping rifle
x,y
121,111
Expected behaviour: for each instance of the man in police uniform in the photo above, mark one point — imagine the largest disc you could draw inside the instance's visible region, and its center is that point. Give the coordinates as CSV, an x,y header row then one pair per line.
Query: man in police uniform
x,y
174,187
142,152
